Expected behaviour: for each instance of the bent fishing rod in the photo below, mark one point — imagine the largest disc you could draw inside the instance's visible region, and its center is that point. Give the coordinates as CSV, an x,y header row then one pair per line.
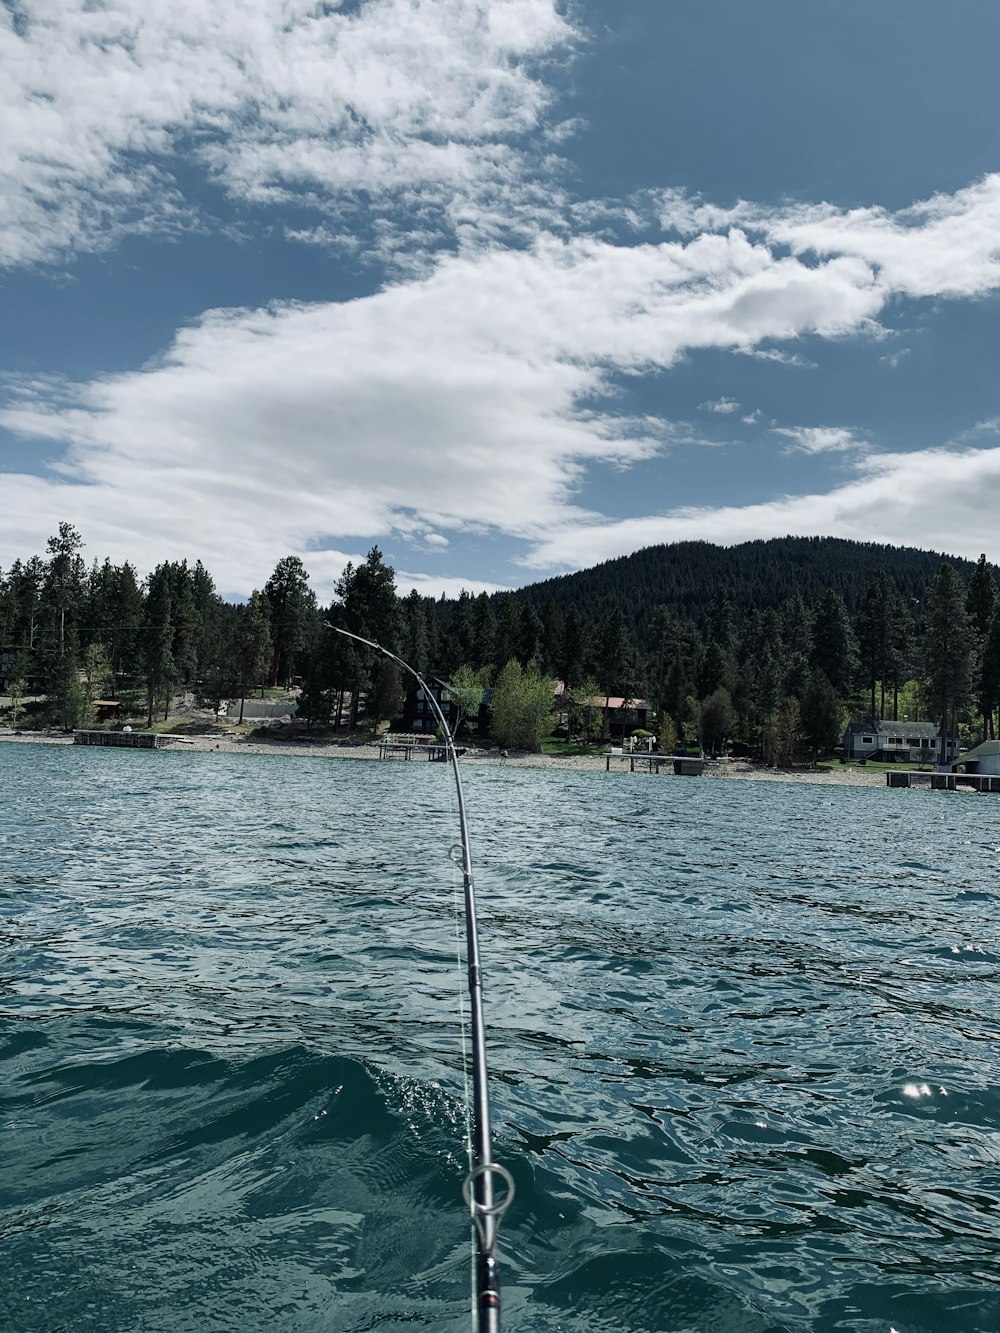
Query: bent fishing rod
x,y
479,1193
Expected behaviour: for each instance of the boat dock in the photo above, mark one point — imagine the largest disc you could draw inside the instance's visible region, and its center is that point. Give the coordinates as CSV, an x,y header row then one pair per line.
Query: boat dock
x,y
688,766
122,740
399,746
945,781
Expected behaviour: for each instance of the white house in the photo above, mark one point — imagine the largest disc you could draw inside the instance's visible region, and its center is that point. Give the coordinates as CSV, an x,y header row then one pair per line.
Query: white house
x,y
905,742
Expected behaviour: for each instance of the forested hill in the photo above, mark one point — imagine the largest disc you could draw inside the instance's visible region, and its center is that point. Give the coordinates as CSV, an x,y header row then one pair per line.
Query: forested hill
x,y
685,576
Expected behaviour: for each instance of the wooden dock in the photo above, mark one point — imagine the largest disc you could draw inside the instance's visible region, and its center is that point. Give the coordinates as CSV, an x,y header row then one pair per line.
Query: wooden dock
x,y
408,750
945,781
687,766
122,740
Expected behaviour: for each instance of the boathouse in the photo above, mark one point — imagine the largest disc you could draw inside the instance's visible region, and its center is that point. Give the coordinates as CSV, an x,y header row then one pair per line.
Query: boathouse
x,y
984,758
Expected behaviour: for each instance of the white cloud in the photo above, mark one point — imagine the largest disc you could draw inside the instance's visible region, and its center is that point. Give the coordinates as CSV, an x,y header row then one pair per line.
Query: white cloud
x,y
462,400
779,356
416,100
942,246
895,359
441,585
724,406
819,439
472,399
936,499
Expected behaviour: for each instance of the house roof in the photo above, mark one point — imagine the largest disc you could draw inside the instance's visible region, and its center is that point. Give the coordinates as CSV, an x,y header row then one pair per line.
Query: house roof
x,y
887,727
613,701
982,751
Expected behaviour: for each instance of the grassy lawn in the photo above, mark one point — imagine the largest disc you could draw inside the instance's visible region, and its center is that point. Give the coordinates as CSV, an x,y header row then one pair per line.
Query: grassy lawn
x,y
875,766
558,745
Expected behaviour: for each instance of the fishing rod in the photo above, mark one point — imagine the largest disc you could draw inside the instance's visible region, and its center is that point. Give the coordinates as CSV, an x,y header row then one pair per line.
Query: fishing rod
x,y
478,1190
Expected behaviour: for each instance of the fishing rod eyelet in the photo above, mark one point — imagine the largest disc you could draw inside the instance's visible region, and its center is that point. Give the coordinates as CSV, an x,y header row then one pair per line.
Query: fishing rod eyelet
x,y
480,1211
456,854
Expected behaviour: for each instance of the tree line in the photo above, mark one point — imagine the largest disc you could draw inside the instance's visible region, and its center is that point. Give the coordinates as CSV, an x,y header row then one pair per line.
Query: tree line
x,y
771,645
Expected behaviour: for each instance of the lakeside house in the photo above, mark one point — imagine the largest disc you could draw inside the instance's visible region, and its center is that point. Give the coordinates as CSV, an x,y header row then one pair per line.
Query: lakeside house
x,y
34,680
621,715
904,742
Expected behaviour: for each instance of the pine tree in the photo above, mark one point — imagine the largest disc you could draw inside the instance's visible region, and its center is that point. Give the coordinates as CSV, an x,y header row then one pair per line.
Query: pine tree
x,y
948,650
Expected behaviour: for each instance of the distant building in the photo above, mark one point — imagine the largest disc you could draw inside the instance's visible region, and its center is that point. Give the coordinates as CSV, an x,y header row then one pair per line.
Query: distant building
x,y
622,715
34,681
984,758
902,742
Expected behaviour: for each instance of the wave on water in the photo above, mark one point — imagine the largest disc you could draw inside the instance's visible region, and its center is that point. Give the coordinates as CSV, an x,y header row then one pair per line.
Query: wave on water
x,y
743,1043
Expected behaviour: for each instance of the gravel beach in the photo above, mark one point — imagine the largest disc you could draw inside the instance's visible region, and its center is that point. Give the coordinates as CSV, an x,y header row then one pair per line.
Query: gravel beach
x,y
725,769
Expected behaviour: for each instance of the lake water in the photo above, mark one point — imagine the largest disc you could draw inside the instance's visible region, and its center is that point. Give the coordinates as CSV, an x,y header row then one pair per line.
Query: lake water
x,y
743,1036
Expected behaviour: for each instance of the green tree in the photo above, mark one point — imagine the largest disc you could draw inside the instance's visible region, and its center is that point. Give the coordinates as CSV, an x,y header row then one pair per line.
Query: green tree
x,y
291,603
466,688
367,606
989,674
718,719
521,706
822,715
388,696
17,684
252,644
834,649
782,734
584,710
64,577
67,690
157,640
667,735
618,662
948,650
981,604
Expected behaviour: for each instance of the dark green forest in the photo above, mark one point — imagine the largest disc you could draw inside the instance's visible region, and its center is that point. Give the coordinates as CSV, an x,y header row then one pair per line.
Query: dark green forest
x,y
769,645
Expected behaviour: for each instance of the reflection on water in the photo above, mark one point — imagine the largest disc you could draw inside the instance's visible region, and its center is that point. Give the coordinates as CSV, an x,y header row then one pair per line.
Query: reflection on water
x,y
743,1040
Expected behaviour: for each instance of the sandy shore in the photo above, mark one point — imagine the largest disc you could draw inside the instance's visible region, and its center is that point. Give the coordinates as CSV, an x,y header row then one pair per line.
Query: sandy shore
x,y
235,744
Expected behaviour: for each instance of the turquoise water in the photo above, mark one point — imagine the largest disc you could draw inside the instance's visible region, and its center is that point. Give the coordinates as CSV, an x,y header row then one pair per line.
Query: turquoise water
x,y
743,1037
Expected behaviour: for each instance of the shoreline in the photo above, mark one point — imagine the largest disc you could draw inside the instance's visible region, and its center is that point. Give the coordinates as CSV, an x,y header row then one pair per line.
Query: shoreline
x,y
723,770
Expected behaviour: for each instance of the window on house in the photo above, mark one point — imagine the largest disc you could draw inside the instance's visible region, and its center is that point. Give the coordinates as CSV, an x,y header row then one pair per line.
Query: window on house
x,y
867,740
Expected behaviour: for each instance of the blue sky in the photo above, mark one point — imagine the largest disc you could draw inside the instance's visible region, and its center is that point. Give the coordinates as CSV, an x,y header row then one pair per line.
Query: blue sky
x,y
507,288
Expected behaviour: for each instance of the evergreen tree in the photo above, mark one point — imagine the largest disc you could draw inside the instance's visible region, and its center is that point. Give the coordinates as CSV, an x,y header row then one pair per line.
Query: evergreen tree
x,y
574,665
822,715
948,650
158,640
486,633
292,603
981,604
252,644
989,673
66,688
388,696
618,664
64,578
834,649
413,631
367,606
718,719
